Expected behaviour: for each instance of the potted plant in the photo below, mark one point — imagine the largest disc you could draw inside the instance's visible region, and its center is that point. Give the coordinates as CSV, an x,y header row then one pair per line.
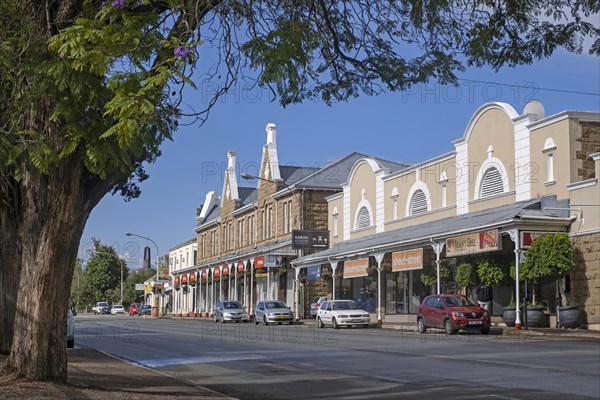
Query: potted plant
x,y
490,274
466,277
548,259
429,276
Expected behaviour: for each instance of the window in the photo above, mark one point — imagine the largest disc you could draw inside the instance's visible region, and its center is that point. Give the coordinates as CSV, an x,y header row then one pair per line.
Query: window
x,y
418,203
251,229
550,167
395,203
491,183
364,218
287,216
203,246
335,221
241,233
213,243
444,196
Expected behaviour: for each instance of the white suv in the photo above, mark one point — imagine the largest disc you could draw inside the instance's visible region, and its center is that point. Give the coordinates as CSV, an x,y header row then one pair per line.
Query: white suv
x,y
342,313
117,309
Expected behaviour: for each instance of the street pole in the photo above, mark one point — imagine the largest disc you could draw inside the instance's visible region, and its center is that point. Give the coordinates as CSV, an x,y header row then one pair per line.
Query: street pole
x,y
122,281
157,259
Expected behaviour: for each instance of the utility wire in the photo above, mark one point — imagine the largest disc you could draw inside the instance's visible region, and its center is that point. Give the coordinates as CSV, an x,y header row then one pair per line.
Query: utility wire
x,y
532,87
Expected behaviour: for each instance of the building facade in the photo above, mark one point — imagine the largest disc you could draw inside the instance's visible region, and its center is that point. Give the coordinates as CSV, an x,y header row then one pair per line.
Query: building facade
x,y
511,178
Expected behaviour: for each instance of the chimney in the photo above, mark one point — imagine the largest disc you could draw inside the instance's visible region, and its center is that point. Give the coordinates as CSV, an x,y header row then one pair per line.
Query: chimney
x,y
231,160
271,133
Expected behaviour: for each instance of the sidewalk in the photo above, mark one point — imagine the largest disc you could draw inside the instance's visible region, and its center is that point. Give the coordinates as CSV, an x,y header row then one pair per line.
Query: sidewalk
x,y
94,375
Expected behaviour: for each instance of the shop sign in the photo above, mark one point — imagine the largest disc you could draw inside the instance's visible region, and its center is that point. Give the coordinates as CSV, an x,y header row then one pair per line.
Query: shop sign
x,y
408,259
261,275
225,270
313,273
176,280
241,266
273,261
147,288
259,262
302,239
528,237
139,286
192,277
479,242
356,268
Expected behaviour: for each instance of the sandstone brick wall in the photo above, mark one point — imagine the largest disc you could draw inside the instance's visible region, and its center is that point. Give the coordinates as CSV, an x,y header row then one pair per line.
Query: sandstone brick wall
x,y
585,277
589,143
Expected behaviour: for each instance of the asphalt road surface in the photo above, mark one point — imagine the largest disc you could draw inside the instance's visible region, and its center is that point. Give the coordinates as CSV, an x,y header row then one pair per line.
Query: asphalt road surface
x,y
302,362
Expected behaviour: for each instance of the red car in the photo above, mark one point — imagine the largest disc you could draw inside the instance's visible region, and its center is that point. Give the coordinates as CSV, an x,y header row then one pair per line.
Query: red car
x,y
452,312
133,309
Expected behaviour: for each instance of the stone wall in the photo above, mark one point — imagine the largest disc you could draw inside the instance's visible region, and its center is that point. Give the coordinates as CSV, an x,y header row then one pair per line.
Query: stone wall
x,y
589,143
585,277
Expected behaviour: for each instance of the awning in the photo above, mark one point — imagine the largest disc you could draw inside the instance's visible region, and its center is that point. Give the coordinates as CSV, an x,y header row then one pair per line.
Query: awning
x,y
521,215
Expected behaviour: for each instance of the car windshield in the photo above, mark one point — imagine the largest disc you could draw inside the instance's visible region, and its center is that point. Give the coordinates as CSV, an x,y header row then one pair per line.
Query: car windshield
x,y
345,305
274,304
232,305
458,302
144,306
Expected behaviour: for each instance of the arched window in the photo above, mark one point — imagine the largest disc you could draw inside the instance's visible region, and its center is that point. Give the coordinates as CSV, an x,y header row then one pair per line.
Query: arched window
x,y
491,183
418,203
364,218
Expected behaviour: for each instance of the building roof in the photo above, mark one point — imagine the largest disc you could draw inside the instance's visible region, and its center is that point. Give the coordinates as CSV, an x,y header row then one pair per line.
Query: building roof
x,y
417,235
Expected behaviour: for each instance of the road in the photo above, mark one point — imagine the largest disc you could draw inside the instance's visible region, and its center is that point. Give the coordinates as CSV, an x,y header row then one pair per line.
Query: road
x,y
298,362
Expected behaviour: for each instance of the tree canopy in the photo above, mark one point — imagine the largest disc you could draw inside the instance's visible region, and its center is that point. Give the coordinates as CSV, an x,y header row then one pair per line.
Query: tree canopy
x,y
89,89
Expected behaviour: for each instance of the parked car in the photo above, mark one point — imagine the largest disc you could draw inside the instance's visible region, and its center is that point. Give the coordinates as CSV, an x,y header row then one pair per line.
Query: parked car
x,y
117,309
101,307
133,309
273,311
70,328
452,312
144,309
316,304
342,313
230,311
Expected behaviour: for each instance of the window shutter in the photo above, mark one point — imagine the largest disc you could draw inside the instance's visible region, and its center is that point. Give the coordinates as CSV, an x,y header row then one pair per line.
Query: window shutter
x,y
364,219
418,203
491,183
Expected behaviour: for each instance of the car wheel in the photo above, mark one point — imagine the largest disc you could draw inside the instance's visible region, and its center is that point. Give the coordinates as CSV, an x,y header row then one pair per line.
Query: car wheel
x,y
70,343
265,320
421,325
255,321
448,327
216,319
334,322
485,331
320,323
291,323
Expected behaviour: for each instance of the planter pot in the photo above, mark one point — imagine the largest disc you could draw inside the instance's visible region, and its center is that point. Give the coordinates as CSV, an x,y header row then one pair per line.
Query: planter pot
x,y
536,317
509,316
570,317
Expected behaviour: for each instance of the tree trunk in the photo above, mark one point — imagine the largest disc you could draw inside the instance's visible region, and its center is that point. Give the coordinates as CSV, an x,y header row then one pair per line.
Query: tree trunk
x,y
54,210
9,262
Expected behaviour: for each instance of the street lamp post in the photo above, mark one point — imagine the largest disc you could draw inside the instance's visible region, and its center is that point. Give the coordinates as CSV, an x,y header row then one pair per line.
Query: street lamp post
x,y
157,259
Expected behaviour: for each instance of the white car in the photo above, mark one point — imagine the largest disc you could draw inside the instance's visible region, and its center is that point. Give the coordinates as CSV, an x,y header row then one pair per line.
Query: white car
x,y
230,311
342,313
117,309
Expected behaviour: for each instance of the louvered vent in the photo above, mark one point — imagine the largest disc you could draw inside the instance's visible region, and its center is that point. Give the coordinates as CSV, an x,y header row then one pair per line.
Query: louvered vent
x,y
418,205
491,183
364,219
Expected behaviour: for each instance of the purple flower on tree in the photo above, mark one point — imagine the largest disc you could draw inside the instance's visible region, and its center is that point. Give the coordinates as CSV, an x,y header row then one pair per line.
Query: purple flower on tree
x,y
182,52
118,3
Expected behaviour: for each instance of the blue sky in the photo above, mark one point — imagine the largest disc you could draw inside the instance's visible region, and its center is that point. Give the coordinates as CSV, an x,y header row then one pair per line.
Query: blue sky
x,y
407,126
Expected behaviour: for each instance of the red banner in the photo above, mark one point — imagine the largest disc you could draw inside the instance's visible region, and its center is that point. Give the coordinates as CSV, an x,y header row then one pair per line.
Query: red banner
x,y
204,273
216,272
241,266
184,279
225,270
259,262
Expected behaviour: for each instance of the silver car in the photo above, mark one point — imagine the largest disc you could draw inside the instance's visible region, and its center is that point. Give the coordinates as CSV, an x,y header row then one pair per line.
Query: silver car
x,y
273,311
230,311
